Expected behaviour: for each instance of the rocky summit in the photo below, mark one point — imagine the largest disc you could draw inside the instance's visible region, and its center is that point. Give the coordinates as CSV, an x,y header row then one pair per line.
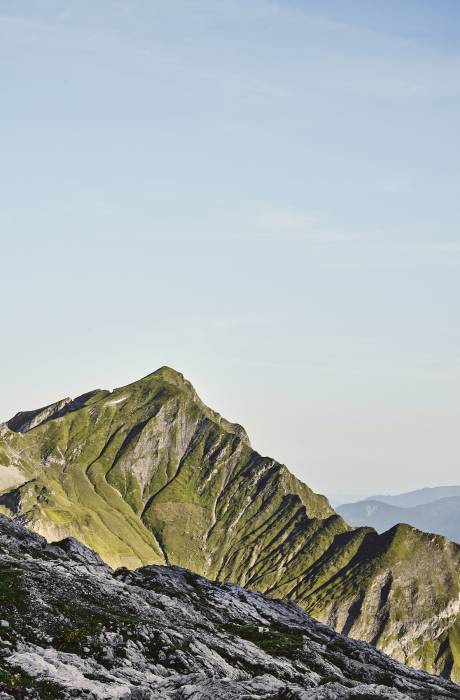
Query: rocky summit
x,y
72,627
148,474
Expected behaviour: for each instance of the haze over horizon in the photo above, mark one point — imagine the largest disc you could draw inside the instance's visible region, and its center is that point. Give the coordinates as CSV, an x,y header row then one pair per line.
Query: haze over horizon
x,y
262,195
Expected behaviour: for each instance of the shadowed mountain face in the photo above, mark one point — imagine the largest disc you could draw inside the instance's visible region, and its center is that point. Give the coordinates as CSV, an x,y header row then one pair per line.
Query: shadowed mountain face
x,y
72,628
441,516
147,474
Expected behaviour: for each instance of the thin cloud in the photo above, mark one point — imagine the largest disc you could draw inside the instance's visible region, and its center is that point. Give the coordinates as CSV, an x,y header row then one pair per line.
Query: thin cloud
x,y
279,223
428,247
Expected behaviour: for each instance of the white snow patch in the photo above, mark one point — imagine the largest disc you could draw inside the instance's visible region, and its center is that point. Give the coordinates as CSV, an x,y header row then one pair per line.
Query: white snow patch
x,y
112,402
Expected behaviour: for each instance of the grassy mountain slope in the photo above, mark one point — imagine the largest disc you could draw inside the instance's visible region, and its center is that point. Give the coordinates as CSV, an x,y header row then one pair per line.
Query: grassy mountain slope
x,y
148,474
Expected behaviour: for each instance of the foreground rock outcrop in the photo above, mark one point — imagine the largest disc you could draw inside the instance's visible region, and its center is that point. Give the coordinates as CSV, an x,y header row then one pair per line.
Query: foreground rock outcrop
x,y
147,474
71,627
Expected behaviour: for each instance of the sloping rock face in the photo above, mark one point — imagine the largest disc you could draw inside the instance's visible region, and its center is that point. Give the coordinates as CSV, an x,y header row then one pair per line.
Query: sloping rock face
x,y
71,627
147,474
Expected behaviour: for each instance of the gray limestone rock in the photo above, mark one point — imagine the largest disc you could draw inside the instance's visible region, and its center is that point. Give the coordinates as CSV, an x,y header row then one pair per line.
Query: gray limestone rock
x,y
77,629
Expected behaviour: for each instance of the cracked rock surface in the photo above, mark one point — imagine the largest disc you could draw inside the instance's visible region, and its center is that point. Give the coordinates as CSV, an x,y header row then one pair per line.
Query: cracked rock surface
x,y
71,627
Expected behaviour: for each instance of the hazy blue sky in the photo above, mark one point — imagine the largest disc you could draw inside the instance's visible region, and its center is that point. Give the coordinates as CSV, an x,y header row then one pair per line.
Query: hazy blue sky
x,y
263,194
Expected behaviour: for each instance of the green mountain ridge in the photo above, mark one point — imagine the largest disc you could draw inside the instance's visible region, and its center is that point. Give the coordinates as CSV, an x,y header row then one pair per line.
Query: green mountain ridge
x,y
148,474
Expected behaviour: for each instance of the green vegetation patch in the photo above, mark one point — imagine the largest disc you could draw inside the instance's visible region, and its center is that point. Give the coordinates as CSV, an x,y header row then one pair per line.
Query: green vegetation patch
x,y
16,683
11,594
275,640
87,623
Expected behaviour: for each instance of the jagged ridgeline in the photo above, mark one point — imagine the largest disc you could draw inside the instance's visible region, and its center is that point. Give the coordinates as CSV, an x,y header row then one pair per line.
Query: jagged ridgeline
x,y
149,474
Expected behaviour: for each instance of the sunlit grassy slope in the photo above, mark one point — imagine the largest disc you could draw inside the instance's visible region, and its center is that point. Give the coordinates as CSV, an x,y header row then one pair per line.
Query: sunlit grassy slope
x,y
149,474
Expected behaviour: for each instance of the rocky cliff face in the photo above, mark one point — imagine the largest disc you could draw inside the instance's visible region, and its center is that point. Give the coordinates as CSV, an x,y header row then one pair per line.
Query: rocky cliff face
x,y
71,627
147,474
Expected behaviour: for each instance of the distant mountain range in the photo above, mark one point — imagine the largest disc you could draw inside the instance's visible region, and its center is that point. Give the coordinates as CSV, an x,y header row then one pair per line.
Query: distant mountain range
x,y
430,509
418,497
148,474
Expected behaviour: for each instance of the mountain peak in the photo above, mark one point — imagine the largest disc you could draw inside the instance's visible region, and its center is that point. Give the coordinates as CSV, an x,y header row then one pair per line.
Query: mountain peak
x,y
148,474
172,377
162,375
167,374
